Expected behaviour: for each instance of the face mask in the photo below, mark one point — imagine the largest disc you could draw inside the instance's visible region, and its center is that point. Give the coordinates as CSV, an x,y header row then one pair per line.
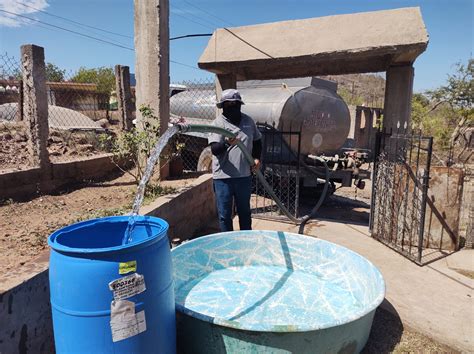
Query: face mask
x,y
232,113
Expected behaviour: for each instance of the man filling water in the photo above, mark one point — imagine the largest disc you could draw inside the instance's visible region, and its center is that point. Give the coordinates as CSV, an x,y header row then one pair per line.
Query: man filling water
x,y
231,171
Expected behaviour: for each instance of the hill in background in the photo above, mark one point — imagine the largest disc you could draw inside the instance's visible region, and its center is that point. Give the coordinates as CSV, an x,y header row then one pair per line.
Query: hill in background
x,y
360,89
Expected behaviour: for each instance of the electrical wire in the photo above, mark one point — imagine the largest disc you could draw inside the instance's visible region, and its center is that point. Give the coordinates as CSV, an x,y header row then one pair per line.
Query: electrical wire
x,y
191,20
68,30
249,44
208,13
191,35
76,22
90,37
186,65
200,18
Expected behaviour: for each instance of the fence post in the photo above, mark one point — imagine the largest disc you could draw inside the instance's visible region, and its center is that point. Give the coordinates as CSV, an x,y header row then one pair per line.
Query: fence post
x,y
124,96
19,112
35,104
152,63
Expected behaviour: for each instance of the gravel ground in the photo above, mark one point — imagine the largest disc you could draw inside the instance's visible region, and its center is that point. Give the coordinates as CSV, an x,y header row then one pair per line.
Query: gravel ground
x,y
389,335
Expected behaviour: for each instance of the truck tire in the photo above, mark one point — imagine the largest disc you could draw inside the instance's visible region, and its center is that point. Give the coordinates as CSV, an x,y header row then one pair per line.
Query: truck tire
x,y
205,160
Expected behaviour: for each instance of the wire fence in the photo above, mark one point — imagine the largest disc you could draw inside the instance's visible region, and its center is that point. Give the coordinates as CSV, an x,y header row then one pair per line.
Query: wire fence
x,y
78,111
14,154
195,101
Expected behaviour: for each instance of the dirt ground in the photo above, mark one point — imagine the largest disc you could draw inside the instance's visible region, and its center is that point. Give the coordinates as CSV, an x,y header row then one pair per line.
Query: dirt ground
x,y
62,146
26,226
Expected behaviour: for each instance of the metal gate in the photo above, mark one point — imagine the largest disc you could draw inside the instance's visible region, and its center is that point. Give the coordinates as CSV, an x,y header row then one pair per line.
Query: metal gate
x,y
281,168
400,189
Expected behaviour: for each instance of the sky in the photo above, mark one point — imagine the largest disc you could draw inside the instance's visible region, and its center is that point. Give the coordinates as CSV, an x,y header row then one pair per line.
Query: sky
x,y
449,24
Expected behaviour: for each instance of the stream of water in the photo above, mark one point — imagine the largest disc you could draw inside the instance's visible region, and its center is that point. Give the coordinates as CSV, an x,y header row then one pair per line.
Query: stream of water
x,y
152,160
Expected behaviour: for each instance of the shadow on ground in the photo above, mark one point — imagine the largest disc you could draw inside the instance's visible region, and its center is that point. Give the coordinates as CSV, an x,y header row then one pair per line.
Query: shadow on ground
x,y
339,208
386,333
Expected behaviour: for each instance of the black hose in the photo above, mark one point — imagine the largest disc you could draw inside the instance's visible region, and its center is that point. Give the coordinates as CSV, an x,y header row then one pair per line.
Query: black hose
x,y
321,199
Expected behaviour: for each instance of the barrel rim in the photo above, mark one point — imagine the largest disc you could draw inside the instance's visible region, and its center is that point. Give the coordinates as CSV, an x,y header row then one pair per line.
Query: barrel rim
x,y
119,218
367,310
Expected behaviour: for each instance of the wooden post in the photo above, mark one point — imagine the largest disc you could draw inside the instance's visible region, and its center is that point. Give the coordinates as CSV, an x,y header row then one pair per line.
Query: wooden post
x,y
124,96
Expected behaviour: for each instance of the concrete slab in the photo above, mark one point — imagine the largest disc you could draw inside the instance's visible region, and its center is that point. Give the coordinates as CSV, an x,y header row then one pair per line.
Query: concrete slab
x,y
463,260
360,42
427,299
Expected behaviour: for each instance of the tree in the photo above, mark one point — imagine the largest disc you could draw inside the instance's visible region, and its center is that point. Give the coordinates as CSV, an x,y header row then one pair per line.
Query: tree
x,y
458,94
103,77
447,114
54,73
459,91
419,109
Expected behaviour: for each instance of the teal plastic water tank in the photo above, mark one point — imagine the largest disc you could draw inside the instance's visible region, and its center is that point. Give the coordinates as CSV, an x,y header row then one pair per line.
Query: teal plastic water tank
x,y
112,298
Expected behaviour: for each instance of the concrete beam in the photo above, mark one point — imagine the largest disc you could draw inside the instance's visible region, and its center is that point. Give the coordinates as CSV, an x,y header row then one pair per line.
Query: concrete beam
x,y
124,96
342,44
35,104
398,94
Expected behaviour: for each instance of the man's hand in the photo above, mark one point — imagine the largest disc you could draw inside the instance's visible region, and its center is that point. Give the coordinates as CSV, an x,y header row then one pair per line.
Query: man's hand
x,y
256,167
232,141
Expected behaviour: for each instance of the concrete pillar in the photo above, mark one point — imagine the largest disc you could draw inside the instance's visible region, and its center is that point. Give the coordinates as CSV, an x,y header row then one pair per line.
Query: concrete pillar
x,y
224,82
398,94
35,104
152,61
124,96
152,57
19,112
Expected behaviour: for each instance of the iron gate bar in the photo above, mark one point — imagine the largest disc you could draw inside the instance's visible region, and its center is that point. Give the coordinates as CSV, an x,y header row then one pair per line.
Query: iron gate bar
x,y
280,166
401,160
424,195
407,184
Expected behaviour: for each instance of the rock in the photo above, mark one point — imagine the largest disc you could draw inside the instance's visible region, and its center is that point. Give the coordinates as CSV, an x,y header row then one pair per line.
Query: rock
x,y
7,136
104,123
55,139
85,148
20,137
54,133
81,140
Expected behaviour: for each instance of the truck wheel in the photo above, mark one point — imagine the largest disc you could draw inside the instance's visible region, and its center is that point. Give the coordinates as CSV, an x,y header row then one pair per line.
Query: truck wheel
x,y
205,160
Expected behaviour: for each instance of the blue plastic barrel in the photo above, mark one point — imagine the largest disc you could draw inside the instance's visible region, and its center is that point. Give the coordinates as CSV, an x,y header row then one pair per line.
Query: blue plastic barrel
x,y
112,298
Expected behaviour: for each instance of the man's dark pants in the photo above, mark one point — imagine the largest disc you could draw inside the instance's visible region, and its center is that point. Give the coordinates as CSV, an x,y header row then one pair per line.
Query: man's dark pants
x,y
237,189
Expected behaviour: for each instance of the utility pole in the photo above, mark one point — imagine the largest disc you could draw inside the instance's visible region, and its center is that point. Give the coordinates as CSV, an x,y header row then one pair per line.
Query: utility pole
x,y
152,62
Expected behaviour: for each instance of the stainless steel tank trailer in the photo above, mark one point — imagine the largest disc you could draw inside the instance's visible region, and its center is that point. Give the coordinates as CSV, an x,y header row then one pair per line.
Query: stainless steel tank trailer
x,y
307,110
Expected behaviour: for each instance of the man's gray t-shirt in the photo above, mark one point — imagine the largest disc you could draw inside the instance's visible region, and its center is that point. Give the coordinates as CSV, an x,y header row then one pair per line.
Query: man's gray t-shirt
x,y
232,162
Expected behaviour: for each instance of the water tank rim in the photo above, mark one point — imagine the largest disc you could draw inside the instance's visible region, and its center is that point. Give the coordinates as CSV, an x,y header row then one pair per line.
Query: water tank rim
x,y
356,315
161,235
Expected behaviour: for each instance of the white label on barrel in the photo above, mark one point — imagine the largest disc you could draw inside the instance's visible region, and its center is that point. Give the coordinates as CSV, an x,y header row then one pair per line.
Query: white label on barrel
x,y
128,286
124,322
